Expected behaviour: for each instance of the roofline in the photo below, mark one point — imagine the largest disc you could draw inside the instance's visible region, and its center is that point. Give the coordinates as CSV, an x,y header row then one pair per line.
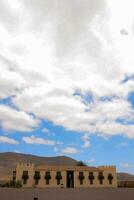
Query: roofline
x,y
67,168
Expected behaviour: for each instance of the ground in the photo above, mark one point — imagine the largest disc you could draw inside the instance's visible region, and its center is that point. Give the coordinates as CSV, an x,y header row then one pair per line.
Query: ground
x,y
67,194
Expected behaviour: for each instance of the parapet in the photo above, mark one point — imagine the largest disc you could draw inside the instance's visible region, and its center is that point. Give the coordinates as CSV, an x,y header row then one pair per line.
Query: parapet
x,y
25,165
108,167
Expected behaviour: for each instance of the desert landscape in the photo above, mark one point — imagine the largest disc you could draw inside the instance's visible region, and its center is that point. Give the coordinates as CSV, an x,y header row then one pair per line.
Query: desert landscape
x,y
9,160
66,100
67,194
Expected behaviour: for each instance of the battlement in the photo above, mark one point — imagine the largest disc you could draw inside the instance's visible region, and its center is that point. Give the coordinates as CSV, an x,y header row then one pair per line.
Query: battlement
x,y
25,165
108,167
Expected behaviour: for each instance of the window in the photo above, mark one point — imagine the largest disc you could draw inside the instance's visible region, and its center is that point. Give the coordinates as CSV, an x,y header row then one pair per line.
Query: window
x,y
25,177
58,177
36,177
81,177
24,181
36,181
14,175
101,177
110,178
91,177
47,177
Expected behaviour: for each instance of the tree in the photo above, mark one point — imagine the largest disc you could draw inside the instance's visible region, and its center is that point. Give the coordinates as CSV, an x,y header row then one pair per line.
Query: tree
x,y
81,163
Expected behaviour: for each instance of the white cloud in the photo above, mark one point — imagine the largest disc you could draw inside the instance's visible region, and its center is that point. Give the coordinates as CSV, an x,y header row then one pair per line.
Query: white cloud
x,y
70,150
4,140
85,138
13,120
48,53
35,140
11,82
48,132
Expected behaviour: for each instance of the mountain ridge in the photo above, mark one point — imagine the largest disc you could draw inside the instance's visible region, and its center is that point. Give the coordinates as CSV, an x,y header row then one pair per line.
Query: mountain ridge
x,y
122,176
9,160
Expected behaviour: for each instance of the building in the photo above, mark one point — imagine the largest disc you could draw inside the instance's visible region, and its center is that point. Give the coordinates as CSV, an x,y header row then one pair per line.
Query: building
x,y
65,176
124,184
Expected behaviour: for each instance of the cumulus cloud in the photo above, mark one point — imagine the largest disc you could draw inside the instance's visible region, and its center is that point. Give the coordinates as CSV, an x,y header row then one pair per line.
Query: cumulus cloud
x,y
35,140
55,55
7,140
85,138
69,150
67,19
13,120
11,82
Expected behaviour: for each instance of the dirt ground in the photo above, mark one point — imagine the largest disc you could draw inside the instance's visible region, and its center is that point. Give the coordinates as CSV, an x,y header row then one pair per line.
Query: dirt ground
x,y
67,194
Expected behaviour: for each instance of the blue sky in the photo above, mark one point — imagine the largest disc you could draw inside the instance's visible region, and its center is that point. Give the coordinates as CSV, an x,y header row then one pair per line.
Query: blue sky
x,y
67,80
114,150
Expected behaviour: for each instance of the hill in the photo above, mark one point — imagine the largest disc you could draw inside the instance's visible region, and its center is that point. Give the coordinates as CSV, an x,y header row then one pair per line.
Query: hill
x,y
8,162
125,177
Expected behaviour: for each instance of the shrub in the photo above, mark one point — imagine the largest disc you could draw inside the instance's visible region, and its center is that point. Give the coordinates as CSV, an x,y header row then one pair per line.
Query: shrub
x,y
12,184
18,184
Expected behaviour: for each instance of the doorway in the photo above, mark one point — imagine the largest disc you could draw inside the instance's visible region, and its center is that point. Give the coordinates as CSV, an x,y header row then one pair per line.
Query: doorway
x,y
70,179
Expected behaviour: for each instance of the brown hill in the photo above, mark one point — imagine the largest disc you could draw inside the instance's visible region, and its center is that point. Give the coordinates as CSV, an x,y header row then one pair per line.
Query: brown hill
x,y
125,177
8,162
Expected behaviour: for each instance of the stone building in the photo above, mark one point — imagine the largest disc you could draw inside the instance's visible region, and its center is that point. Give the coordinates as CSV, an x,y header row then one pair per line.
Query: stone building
x,y
124,184
65,176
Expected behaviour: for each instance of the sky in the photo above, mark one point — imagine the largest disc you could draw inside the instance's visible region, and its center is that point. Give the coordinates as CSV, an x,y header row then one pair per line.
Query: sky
x,y
67,80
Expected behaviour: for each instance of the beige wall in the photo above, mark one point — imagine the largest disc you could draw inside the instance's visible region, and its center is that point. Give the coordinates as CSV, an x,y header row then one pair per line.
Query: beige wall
x,y
25,167
96,183
106,171
53,182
